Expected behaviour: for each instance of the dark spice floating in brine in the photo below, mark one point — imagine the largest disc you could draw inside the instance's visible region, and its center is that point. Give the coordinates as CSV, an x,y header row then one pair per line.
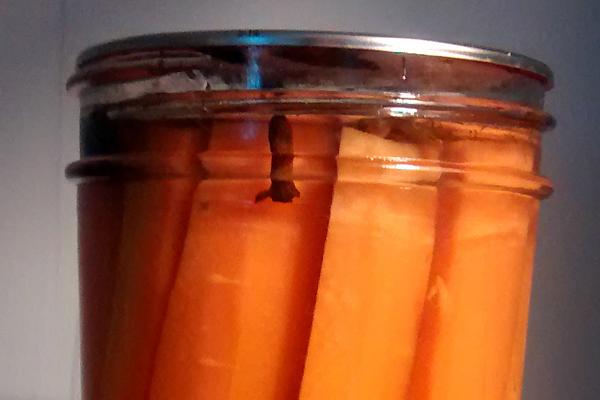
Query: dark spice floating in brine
x,y
282,188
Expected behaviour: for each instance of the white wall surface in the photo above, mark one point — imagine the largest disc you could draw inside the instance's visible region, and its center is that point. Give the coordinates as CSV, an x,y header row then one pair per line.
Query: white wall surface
x,y
40,39
37,281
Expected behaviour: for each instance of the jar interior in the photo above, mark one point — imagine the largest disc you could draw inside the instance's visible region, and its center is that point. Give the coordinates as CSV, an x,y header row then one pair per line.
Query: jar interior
x,y
325,249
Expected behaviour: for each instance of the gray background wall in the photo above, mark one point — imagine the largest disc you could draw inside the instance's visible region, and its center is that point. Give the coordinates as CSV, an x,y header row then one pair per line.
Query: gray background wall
x,y
39,40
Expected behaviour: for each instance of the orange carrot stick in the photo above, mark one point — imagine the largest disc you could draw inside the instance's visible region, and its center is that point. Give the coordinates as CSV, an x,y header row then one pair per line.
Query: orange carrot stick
x,y
239,316
470,315
100,209
374,275
155,216
517,358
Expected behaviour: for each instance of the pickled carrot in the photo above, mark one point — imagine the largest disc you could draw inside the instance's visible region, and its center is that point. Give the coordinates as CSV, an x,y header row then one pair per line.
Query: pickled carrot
x,y
471,314
517,360
154,222
240,312
373,281
100,209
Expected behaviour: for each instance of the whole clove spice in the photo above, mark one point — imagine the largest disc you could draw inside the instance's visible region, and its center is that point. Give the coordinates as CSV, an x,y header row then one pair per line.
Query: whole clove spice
x,y
282,187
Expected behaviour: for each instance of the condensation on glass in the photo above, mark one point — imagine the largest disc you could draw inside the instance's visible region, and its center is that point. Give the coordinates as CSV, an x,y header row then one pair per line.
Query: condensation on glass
x,y
275,215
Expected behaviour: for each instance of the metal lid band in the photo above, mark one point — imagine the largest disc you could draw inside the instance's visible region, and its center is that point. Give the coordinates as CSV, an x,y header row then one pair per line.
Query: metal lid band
x,y
247,38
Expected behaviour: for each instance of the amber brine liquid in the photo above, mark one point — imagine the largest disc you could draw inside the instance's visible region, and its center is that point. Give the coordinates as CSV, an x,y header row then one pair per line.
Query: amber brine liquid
x,y
278,257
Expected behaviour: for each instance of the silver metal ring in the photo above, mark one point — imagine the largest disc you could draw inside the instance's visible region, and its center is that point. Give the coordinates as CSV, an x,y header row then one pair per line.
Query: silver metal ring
x,y
245,38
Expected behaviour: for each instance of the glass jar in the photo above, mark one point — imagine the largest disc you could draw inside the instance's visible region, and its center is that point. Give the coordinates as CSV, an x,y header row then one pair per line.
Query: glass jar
x,y
300,215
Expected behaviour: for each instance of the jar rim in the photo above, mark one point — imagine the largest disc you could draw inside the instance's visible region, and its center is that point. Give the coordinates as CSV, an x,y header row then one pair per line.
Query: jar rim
x,y
320,39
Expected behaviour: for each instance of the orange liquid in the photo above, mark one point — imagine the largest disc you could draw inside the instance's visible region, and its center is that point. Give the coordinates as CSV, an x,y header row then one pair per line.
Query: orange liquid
x,y
377,282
